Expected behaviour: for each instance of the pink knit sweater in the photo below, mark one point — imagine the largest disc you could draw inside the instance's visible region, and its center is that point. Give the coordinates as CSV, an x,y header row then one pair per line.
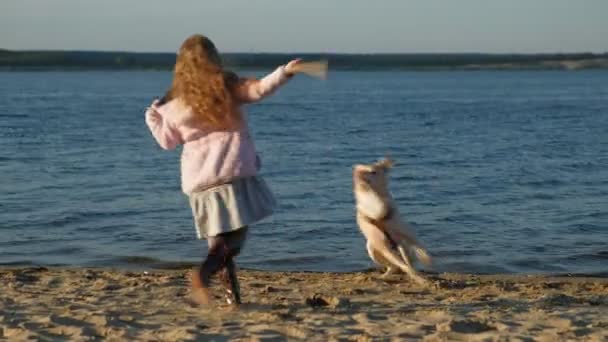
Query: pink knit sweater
x,y
211,157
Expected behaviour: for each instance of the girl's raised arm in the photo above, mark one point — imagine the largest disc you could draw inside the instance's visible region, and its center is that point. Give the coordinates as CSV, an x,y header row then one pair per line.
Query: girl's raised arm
x,y
167,136
252,90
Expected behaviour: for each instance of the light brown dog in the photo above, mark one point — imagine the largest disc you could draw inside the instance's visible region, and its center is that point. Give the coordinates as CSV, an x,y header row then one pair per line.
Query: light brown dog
x,y
390,243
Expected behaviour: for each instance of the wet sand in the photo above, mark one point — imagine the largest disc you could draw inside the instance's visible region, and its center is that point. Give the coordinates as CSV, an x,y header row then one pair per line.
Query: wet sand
x,y
102,304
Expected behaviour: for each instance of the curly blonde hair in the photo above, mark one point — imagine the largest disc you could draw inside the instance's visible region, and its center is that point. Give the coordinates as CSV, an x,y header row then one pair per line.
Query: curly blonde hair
x,y
200,83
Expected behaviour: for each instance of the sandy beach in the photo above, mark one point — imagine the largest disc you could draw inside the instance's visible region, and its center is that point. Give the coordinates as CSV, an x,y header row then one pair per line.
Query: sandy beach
x,y
103,304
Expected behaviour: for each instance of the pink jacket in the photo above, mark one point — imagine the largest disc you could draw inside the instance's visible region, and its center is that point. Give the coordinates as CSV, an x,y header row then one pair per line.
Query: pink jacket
x,y
212,157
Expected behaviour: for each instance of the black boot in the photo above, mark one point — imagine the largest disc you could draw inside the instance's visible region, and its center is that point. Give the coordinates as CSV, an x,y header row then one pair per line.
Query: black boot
x,y
231,283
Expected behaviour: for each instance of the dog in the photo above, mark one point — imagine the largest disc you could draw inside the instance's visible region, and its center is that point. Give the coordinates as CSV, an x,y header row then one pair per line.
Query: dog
x,y
390,242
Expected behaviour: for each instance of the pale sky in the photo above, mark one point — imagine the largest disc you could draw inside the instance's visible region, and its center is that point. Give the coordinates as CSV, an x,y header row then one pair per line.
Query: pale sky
x,y
350,26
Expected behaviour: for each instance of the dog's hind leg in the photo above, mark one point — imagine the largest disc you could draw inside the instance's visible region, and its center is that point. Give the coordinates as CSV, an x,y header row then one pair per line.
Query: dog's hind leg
x,y
379,259
404,265
373,255
390,270
404,255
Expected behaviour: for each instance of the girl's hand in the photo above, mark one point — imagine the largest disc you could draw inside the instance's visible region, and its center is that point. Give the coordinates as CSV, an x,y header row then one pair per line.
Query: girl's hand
x,y
293,67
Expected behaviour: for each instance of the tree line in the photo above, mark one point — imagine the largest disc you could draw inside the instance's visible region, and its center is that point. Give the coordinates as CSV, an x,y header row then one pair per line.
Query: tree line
x,y
412,61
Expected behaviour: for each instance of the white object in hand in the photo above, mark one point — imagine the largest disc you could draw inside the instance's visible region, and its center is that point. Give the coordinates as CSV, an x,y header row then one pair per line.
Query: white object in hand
x,y
316,69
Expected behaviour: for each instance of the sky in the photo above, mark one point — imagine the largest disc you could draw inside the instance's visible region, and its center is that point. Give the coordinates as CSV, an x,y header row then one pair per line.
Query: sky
x,y
347,26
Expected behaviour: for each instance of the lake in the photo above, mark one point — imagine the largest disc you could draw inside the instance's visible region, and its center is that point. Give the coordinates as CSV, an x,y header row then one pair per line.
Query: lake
x,y
497,171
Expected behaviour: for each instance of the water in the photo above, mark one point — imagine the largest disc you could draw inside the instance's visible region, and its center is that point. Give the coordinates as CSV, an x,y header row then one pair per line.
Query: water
x,y
497,171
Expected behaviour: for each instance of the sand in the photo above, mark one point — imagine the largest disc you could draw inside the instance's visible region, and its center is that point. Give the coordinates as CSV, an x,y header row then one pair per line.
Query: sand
x,y
100,304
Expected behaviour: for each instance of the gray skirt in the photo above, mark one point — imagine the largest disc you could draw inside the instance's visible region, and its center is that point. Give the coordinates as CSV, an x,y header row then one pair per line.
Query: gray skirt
x,y
231,206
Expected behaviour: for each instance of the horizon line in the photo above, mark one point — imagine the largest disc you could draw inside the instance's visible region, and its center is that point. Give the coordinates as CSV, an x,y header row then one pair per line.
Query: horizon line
x,y
318,53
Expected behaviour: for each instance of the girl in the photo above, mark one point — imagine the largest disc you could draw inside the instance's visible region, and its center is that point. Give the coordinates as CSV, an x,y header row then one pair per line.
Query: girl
x,y
202,111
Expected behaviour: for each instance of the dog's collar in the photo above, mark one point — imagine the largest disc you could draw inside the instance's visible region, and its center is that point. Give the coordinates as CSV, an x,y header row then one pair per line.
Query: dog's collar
x,y
389,214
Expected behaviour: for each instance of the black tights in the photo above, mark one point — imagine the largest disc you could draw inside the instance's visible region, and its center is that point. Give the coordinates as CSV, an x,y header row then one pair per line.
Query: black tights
x,y
223,248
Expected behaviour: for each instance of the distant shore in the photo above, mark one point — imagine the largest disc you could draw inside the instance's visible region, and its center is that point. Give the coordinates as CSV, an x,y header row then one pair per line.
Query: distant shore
x,y
89,303
100,60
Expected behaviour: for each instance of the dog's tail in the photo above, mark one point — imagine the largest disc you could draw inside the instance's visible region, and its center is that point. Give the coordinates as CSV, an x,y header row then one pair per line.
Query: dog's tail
x,y
422,255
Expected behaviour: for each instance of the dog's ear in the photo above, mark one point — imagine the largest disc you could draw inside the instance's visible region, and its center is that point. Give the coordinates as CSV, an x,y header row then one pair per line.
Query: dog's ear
x,y
386,163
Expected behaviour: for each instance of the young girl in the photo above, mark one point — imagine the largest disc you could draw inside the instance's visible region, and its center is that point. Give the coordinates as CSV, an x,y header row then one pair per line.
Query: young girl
x,y
219,164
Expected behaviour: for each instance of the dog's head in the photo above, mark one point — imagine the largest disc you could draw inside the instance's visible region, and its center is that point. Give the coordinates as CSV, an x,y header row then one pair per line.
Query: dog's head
x,y
372,177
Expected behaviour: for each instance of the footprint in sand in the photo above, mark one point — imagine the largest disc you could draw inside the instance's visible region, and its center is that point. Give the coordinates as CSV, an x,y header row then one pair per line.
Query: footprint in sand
x,y
318,300
465,327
